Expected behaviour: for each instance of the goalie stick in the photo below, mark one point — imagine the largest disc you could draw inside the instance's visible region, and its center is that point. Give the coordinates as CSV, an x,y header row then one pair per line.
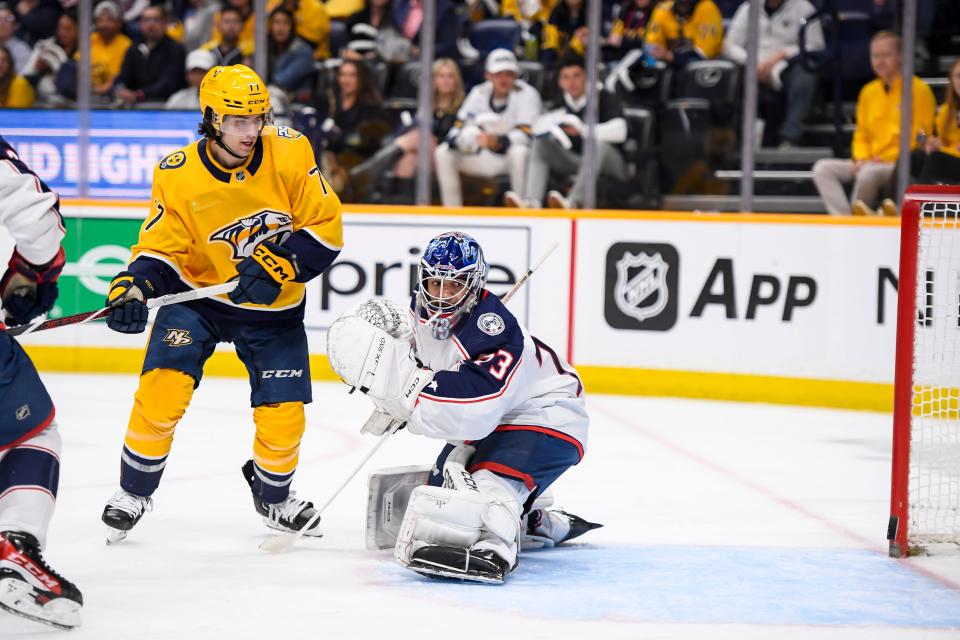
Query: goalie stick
x,y
152,303
284,541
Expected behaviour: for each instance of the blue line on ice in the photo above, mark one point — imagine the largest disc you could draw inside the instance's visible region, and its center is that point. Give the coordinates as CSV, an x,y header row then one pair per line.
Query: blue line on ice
x,y
711,585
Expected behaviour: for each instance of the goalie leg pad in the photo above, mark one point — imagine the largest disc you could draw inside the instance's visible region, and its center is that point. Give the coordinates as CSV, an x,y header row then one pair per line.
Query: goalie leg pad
x,y
439,516
388,494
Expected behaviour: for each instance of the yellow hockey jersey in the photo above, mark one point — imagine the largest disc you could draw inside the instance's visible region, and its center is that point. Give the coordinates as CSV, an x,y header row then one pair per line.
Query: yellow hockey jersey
x,y
206,218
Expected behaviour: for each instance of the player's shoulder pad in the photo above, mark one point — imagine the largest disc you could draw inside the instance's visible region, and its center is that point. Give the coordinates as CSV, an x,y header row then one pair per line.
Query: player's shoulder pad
x,y
490,326
287,133
174,161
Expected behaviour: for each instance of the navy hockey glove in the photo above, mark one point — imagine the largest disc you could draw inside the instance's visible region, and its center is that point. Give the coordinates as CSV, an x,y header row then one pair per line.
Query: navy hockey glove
x,y
128,292
29,290
261,274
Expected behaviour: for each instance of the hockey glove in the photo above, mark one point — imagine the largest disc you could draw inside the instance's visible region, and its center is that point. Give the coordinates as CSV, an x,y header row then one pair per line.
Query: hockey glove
x,y
29,290
127,296
261,274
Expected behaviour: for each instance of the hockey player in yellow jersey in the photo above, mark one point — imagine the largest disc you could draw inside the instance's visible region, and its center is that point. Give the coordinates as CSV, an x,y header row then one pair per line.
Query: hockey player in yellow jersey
x,y
245,202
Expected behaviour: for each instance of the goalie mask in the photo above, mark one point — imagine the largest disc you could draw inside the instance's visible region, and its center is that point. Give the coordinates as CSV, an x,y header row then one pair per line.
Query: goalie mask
x,y
451,277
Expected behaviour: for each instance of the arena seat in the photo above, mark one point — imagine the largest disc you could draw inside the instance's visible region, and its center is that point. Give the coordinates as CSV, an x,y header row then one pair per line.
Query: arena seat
x,y
718,82
488,35
338,37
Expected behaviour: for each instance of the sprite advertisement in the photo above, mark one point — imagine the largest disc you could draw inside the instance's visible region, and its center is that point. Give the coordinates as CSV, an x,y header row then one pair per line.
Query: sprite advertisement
x,y
97,249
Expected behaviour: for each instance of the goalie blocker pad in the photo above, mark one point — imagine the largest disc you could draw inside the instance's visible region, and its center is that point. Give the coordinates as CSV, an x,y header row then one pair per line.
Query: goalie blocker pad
x,y
388,492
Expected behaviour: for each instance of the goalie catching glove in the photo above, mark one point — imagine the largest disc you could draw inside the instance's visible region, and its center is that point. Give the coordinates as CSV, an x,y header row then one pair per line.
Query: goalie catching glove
x,y
369,348
261,274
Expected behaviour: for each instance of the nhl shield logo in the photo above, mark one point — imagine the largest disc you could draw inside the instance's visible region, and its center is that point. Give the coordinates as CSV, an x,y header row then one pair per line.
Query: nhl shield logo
x,y
642,286
22,413
641,289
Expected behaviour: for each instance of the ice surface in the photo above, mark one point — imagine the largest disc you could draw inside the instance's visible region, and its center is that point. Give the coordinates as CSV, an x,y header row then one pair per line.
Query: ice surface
x,y
723,520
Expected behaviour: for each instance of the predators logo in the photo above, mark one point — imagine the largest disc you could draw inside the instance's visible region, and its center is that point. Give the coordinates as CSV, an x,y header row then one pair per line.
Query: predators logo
x,y
246,233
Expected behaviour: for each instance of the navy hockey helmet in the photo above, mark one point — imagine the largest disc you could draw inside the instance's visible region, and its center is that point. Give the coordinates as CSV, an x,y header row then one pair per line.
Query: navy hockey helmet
x,y
451,278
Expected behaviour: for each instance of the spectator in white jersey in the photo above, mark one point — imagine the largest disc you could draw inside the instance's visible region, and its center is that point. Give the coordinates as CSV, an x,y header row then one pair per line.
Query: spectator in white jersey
x,y
199,62
558,142
779,70
493,130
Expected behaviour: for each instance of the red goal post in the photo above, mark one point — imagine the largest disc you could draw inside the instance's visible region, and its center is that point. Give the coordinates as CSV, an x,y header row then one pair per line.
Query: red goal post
x,y
925,479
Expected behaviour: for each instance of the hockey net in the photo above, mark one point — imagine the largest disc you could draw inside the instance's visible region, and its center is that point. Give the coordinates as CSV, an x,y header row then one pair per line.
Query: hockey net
x,y
925,487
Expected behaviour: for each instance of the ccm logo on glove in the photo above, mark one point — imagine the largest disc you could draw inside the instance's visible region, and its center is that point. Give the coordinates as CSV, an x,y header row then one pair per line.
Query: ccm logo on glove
x,y
281,268
261,275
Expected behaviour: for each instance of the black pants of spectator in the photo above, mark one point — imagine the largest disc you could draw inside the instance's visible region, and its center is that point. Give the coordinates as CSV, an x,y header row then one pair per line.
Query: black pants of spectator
x,y
786,110
934,168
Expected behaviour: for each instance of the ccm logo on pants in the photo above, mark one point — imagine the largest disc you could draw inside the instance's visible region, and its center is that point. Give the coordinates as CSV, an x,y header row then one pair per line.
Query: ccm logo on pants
x,y
282,373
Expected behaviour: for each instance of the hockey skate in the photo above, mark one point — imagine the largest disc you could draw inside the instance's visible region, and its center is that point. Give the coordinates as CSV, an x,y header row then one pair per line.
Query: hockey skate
x,y
30,588
122,513
288,516
548,528
437,561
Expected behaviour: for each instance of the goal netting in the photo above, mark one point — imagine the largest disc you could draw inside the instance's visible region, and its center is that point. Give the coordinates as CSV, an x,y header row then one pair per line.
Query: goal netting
x,y
925,496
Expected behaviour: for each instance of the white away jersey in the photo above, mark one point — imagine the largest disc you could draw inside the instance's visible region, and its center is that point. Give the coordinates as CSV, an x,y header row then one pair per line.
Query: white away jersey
x,y
514,120
491,373
28,209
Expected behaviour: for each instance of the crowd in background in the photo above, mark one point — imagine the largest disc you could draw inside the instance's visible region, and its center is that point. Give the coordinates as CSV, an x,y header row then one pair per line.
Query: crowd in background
x,y
338,70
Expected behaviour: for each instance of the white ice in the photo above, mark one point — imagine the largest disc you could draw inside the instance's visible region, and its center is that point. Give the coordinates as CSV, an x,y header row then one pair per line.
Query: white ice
x,y
722,520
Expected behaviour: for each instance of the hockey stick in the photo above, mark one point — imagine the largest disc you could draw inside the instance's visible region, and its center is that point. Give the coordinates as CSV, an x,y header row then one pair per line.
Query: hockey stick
x,y
526,276
283,542
152,303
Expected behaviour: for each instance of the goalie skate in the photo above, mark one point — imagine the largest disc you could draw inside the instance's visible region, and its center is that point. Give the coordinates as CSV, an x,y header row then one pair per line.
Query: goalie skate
x,y
548,528
437,561
122,513
29,588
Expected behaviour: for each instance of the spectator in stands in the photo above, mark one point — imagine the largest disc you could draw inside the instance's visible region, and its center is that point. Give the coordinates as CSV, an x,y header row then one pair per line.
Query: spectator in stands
x,y
19,49
247,24
779,70
15,91
371,35
402,154
629,29
558,143
493,129
152,70
343,9
194,24
876,140
289,58
226,47
355,130
408,18
566,30
312,23
108,46
681,31
49,56
133,9
939,160
199,61
38,19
